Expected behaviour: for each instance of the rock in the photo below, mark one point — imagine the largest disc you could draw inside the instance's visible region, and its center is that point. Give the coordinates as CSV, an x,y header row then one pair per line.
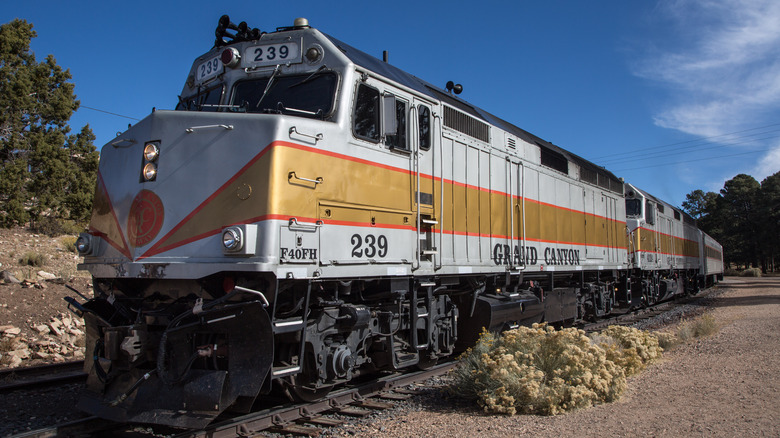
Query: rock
x,y
14,362
22,353
55,328
40,355
8,277
75,332
46,275
42,329
11,330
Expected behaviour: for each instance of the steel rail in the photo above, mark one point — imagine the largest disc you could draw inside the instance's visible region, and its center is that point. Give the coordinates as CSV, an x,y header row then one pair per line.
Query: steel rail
x,y
41,375
249,424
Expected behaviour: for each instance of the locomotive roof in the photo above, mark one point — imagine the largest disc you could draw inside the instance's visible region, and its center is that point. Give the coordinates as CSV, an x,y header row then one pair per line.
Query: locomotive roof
x,y
402,77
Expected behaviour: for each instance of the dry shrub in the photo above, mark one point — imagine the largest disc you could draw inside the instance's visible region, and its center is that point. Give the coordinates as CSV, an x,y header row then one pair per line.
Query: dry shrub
x,y
667,340
751,272
630,348
700,327
32,259
537,370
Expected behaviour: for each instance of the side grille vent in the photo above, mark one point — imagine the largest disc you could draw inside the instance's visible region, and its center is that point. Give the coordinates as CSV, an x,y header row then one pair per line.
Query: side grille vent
x,y
466,124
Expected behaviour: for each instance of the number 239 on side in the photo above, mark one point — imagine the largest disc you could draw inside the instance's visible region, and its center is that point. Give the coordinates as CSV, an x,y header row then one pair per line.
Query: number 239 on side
x,y
369,246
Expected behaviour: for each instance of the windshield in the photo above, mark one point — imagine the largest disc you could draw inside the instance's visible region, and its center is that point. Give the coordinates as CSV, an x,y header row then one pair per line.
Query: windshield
x,y
307,95
204,100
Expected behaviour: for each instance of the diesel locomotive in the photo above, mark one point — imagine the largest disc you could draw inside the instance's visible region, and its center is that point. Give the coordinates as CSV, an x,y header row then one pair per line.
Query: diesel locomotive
x,y
308,214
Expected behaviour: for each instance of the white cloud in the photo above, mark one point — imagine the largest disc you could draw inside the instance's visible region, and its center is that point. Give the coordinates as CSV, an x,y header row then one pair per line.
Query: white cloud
x,y
768,165
722,67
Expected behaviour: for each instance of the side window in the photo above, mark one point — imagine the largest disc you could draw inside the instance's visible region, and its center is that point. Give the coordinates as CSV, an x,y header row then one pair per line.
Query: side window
x,y
366,117
398,141
649,213
425,126
633,207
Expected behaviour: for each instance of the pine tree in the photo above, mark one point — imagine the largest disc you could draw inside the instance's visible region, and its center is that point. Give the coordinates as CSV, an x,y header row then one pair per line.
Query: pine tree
x,y
43,170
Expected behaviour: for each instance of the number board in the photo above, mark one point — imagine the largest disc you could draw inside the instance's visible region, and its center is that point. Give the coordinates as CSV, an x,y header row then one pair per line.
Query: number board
x,y
272,54
208,69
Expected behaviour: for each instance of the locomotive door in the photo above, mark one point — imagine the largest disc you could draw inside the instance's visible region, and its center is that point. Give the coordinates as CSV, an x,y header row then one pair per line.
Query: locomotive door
x,y
425,144
670,258
609,233
656,234
515,212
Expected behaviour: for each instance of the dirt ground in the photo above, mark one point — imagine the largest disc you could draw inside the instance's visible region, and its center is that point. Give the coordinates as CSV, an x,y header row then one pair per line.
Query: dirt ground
x,y
34,298
725,385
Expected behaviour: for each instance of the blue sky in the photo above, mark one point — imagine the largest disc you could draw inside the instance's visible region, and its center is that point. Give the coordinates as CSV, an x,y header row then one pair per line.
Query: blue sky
x,y
673,96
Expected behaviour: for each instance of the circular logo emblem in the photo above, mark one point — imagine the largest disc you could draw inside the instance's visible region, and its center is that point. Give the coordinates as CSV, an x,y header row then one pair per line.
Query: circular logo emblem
x,y
146,218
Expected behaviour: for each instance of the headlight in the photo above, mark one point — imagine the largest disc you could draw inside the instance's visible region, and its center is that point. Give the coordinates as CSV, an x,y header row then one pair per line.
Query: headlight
x,y
150,172
83,244
231,239
151,152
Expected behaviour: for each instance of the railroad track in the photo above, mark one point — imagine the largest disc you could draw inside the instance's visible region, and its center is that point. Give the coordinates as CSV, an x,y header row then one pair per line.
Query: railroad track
x,y
307,419
41,375
633,317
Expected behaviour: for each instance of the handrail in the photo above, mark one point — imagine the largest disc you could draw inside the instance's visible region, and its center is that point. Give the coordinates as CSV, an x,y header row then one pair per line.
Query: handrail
x,y
293,225
292,175
316,137
192,129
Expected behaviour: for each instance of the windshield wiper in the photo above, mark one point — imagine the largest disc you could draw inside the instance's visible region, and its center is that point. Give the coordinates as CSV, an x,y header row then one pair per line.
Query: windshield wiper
x,y
268,85
280,107
308,78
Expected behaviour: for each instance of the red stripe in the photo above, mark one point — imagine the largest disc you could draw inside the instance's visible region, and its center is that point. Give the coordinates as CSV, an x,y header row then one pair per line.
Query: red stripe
x,y
158,247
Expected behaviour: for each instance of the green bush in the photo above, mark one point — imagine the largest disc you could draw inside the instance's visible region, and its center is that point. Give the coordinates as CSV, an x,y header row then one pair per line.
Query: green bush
x,y
69,243
54,227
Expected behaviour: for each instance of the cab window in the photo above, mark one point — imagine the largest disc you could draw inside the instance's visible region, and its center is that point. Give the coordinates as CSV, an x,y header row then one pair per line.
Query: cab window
x,y
633,207
398,140
649,213
424,116
365,122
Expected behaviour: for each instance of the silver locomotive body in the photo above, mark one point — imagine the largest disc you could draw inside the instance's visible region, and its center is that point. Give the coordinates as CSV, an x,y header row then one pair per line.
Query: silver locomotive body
x,y
310,213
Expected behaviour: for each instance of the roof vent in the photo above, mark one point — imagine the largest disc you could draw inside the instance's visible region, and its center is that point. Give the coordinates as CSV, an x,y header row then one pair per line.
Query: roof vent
x,y
301,23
